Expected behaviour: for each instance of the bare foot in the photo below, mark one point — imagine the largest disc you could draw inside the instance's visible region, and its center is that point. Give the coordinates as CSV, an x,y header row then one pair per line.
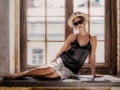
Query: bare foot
x,y
18,76
14,76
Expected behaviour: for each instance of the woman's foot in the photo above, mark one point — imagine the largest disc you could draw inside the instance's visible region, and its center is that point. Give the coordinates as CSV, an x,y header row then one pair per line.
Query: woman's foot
x,y
8,78
16,76
13,77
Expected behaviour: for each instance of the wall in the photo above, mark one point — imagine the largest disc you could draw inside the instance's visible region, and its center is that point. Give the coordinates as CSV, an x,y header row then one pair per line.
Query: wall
x,y
4,37
11,35
7,36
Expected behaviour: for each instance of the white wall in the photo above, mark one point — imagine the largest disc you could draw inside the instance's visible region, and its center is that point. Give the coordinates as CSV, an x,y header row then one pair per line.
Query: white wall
x,y
12,34
9,36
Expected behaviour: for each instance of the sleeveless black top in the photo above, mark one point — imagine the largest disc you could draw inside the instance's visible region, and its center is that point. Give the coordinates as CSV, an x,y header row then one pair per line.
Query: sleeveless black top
x,y
74,58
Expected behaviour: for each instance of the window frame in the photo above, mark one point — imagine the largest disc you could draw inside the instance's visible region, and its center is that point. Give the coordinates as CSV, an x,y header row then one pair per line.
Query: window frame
x,y
110,31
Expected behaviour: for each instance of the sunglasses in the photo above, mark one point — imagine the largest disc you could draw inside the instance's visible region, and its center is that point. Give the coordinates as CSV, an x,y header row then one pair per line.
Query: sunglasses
x,y
78,22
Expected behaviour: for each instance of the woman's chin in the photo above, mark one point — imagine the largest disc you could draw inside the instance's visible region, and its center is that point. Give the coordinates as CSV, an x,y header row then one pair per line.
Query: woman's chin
x,y
80,27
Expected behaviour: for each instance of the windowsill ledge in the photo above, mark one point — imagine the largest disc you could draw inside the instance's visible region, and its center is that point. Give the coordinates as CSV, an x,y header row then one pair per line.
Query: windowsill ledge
x,y
83,81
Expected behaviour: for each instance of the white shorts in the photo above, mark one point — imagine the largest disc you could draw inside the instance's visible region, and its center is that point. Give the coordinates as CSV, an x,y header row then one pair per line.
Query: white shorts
x,y
61,70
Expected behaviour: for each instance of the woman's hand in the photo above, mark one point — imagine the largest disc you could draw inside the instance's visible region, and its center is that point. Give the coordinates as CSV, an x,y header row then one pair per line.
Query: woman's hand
x,y
54,59
97,75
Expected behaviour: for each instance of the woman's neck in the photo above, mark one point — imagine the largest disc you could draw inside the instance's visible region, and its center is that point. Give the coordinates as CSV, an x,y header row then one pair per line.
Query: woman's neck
x,y
83,32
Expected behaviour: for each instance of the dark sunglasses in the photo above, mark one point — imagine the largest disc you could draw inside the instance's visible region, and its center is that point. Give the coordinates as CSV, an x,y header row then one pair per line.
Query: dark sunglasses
x,y
78,22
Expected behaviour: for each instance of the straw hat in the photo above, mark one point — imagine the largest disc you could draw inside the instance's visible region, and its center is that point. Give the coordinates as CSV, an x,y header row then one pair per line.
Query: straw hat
x,y
76,14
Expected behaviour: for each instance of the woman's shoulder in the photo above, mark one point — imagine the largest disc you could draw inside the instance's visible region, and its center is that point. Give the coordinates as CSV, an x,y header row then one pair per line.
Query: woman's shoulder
x,y
92,35
72,37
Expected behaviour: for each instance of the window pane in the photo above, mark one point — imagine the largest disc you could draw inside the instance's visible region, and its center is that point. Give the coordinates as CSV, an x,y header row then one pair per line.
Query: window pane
x,y
55,7
35,7
100,53
36,28
53,48
56,30
97,7
80,5
35,53
97,27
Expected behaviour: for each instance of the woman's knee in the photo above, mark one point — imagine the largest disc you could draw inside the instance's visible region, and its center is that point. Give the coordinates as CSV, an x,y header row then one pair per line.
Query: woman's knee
x,y
51,69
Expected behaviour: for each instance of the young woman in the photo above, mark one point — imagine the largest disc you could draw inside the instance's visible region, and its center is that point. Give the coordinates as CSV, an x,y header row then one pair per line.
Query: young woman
x,y
71,56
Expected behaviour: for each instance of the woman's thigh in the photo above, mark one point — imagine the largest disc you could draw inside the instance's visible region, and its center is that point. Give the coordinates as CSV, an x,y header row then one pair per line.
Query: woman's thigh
x,y
51,75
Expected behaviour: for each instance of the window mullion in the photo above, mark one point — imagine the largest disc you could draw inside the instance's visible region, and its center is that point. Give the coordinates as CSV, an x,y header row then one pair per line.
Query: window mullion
x,y
89,15
46,50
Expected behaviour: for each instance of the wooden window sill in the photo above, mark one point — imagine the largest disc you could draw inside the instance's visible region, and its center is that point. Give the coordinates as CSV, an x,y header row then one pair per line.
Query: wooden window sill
x,y
81,81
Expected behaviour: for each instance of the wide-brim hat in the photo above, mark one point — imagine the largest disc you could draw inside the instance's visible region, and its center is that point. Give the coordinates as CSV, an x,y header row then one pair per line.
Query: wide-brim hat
x,y
77,14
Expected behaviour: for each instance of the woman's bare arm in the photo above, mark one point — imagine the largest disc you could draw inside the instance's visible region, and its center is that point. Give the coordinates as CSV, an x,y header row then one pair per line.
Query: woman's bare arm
x,y
66,45
93,41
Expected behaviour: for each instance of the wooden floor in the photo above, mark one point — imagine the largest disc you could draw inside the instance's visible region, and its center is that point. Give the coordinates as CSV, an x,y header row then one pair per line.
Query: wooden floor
x,y
80,81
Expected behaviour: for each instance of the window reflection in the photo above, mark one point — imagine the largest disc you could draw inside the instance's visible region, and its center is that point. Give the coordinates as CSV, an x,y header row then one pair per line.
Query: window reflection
x,y
53,48
100,52
97,7
55,7
36,28
97,27
81,5
56,29
36,53
35,7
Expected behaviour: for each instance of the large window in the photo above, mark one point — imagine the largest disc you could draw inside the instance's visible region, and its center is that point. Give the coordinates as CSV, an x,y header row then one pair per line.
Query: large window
x,y
45,28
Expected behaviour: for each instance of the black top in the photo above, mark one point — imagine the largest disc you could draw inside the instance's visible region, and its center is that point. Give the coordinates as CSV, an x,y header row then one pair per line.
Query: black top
x,y
75,57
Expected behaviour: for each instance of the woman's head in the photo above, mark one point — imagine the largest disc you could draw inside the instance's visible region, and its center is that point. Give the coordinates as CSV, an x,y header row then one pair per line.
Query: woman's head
x,y
77,18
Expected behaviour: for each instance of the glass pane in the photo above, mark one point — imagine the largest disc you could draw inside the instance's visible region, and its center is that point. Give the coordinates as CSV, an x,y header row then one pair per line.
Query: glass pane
x,y
100,53
80,5
35,7
36,28
53,49
56,30
97,7
86,61
35,53
97,27
55,7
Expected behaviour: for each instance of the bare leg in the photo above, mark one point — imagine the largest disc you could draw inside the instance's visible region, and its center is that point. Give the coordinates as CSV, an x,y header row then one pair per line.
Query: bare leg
x,y
51,75
39,71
